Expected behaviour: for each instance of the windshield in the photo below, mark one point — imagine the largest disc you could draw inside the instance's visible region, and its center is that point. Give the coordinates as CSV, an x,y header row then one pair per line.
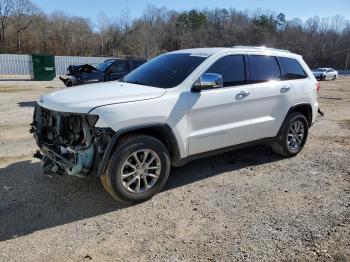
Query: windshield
x,y
320,70
165,71
103,66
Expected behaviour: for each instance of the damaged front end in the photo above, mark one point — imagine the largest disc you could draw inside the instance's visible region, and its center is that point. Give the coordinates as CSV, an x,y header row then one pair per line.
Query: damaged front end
x,y
79,74
69,143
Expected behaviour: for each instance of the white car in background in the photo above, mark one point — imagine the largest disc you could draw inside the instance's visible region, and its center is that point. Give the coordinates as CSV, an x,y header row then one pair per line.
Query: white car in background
x,y
325,73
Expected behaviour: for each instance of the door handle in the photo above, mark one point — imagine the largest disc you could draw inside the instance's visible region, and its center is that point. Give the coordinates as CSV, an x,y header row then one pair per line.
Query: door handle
x,y
241,95
284,89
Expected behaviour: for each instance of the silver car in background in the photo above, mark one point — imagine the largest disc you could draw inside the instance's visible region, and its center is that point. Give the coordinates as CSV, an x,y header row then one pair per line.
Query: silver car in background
x,y
325,73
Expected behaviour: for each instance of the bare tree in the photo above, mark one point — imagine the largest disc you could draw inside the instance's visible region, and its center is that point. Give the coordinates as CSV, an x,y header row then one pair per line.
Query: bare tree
x,y
23,13
23,28
6,8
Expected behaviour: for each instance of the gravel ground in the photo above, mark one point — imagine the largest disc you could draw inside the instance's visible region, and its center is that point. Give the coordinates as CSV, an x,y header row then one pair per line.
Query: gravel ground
x,y
244,205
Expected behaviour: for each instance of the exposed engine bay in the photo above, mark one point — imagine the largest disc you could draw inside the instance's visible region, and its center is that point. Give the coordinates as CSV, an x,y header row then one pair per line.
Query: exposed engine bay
x,y
69,143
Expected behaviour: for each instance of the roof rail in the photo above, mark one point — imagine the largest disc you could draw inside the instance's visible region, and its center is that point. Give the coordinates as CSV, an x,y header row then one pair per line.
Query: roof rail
x,y
260,48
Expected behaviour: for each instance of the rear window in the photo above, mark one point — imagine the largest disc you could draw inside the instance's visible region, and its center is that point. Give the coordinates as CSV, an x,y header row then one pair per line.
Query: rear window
x,y
291,69
231,68
263,68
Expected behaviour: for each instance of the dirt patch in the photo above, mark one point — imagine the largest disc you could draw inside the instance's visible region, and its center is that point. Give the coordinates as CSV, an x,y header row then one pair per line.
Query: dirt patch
x,y
345,124
13,89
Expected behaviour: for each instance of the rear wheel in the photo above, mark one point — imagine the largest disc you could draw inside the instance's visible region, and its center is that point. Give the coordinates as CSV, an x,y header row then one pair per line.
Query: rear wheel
x,y
293,135
137,170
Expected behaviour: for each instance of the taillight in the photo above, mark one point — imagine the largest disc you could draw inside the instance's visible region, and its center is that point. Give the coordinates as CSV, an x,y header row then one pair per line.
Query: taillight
x,y
318,87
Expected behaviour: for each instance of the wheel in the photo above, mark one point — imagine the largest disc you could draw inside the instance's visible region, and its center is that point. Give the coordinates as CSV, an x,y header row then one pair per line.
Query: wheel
x,y
323,78
293,136
138,169
334,77
69,83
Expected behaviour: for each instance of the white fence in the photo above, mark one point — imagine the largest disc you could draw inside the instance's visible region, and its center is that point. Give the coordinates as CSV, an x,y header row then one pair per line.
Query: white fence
x,y
22,64
15,64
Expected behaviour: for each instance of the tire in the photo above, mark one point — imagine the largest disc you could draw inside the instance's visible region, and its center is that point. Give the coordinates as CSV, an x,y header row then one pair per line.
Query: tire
x,y
69,83
334,77
148,179
284,144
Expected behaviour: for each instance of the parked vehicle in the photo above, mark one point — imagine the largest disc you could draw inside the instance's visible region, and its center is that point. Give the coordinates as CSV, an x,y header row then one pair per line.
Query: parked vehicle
x,y
109,70
177,107
325,74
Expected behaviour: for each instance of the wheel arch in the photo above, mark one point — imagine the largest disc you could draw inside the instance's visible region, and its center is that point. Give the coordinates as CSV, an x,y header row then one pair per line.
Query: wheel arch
x,y
162,132
303,108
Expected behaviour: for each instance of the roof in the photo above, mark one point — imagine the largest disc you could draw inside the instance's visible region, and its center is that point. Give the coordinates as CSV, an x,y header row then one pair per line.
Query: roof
x,y
205,52
125,59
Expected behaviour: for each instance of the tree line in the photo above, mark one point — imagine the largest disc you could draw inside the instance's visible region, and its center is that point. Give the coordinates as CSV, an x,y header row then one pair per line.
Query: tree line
x,y
24,28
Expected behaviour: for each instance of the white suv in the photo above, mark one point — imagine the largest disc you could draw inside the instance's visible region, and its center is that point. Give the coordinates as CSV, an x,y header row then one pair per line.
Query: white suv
x,y
177,107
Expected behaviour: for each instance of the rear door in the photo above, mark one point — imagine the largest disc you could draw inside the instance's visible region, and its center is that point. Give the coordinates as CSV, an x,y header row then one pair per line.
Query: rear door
x,y
272,97
220,117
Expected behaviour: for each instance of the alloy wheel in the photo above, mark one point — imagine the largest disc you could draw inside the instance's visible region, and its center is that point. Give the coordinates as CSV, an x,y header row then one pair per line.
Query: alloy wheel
x,y
141,171
296,135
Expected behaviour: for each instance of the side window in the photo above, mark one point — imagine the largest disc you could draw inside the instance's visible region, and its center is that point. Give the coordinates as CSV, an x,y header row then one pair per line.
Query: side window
x,y
119,67
231,68
136,64
291,69
263,68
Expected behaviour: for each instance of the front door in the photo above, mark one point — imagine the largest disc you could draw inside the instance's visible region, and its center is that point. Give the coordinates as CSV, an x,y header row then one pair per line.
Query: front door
x,y
117,70
220,117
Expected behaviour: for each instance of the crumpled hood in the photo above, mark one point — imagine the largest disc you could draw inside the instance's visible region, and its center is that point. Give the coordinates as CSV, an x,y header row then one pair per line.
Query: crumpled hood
x,y
84,98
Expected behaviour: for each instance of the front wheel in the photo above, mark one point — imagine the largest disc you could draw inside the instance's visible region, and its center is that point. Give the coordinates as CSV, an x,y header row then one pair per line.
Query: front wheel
x,y
69,83
137,170
293,136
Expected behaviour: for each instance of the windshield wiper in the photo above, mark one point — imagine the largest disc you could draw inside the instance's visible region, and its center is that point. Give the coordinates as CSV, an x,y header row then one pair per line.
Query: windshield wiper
x,y
135,82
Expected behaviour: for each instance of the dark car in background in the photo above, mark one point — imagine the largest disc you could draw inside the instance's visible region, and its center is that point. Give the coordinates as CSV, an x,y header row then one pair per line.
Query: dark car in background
x,y
109,70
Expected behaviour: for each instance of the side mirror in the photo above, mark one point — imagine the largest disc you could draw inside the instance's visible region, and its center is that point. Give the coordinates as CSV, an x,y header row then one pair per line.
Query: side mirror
x,y
208,81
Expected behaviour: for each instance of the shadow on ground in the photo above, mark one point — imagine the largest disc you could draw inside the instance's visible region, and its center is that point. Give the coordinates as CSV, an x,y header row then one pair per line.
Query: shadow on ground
x,y
27,104
30,201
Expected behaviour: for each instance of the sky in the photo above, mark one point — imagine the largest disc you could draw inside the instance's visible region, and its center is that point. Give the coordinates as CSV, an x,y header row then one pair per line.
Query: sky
x,y
292,8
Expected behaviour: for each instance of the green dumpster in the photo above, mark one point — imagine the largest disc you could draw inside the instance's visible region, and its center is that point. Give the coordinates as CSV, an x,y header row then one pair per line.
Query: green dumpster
x,y
43,67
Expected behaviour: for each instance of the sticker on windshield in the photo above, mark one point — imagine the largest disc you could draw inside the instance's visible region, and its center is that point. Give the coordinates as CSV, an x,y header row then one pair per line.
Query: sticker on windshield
x,y
200,54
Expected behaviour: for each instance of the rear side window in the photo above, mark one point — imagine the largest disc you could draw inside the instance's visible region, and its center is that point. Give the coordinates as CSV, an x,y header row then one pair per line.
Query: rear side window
x,y
263,68
231,68
291,69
